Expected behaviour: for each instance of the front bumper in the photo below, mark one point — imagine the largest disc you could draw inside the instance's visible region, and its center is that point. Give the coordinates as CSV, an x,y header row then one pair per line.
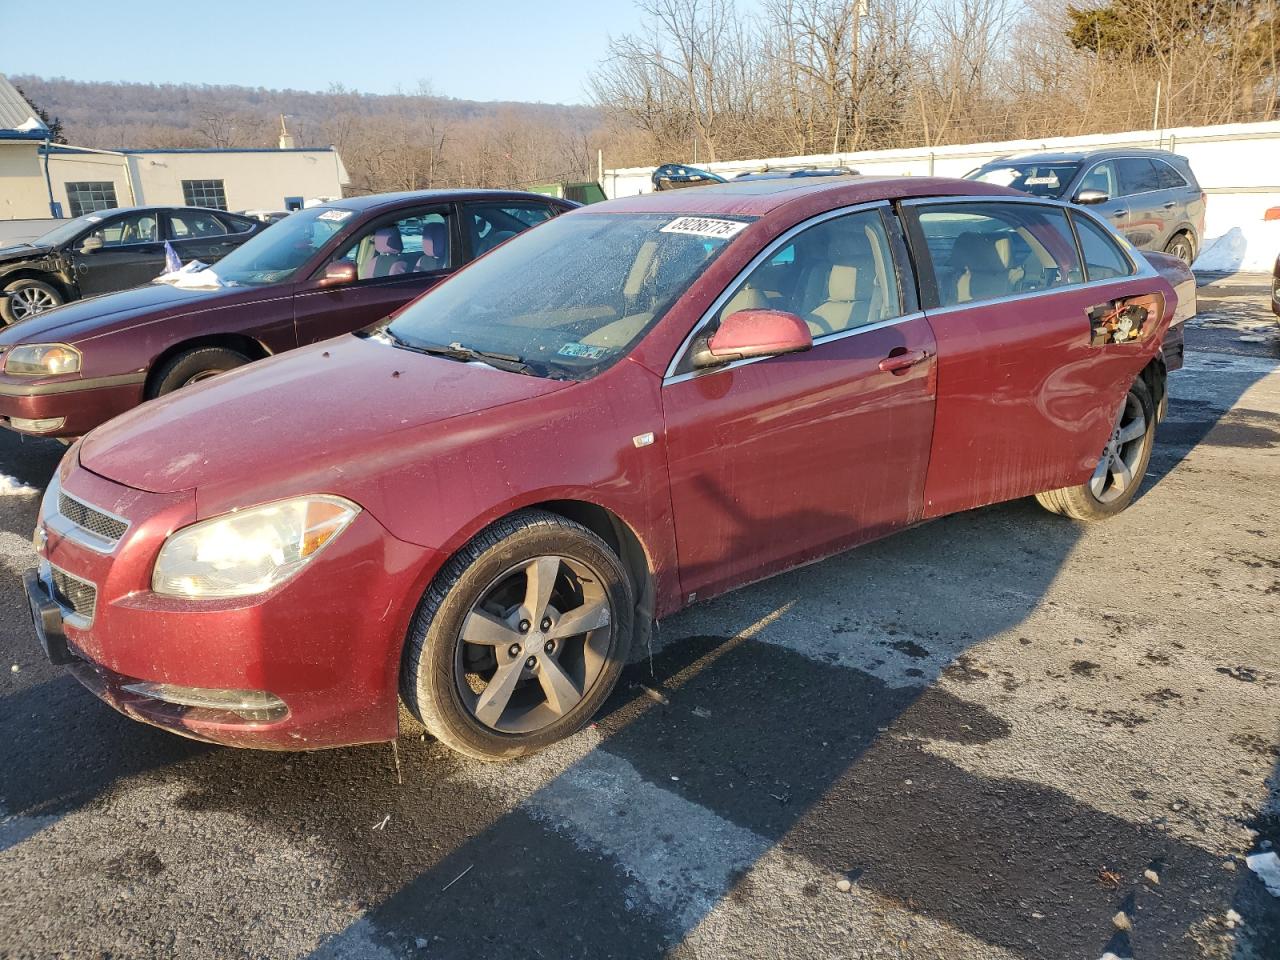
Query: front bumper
x,y
327,642
81,404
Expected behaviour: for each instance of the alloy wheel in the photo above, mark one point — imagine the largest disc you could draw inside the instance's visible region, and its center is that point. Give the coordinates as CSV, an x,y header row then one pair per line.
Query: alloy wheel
x,y
1181,248
28,301
533,644
1117,467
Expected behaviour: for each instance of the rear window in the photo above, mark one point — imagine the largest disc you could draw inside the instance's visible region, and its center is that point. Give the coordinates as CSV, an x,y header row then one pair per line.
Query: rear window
x,y
1103,258
990,250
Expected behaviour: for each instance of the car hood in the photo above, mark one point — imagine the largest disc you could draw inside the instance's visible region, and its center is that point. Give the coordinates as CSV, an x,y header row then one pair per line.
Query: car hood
x,y
23,251
329,410
83,319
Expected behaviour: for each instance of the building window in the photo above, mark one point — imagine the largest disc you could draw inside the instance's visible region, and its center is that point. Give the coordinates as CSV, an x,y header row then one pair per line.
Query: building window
x,y
90,196
204,193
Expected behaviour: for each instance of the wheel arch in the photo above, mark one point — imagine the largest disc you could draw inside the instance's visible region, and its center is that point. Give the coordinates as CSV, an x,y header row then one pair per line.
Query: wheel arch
x,y
240,343
52,279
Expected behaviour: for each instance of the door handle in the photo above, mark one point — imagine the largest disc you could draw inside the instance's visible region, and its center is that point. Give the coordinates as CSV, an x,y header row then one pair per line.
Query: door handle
x,y
1170,205
902,360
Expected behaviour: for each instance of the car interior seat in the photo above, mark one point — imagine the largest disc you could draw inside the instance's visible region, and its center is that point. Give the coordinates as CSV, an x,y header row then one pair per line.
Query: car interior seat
x,y
387,251
982,267
435,248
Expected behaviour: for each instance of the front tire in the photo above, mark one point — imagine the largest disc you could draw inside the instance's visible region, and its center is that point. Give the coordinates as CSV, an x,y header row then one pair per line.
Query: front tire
x,y
1123,464
193,366
28,298
519,638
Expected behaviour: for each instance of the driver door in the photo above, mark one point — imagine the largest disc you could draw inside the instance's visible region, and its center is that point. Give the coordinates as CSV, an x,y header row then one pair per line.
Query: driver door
x,y
396,257
787,459
131,254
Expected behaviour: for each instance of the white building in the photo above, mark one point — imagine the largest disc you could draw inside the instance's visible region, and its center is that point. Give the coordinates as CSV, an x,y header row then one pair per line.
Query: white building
x,y
39,180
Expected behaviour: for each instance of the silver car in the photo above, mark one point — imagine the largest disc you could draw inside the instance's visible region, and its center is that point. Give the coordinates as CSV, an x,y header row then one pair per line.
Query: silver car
x,y
1149,196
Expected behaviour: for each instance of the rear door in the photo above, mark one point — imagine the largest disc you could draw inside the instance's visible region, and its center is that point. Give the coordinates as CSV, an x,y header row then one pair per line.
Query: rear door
x,y
782,460
1026,399
397,256
491,223
198,235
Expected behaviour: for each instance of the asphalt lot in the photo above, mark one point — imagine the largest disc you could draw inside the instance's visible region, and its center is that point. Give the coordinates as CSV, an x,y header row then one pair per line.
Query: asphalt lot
x,y
1001,729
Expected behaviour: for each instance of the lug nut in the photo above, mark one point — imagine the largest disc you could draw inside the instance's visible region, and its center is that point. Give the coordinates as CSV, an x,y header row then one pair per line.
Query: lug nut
x,y
546,623
530,662
524,626
550,645
514,650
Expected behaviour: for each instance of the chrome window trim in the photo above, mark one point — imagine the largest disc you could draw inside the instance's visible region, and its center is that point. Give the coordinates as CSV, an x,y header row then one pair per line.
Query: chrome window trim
x,y
69,616
1140,193
1142,269
670,376
65,528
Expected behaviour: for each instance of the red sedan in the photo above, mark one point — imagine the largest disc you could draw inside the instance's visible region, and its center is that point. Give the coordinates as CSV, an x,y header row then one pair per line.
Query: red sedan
x,y
483,504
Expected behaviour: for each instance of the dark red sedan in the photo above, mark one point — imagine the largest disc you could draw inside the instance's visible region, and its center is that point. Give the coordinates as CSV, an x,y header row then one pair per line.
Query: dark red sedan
x,y
483,505
317,273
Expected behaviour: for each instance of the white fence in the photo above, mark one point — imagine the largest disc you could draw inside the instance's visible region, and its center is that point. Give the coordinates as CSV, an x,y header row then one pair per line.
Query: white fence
x,y
1238,165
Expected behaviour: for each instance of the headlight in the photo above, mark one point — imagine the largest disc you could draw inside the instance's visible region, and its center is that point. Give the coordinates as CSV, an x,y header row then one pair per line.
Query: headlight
x,y
249,551
42,359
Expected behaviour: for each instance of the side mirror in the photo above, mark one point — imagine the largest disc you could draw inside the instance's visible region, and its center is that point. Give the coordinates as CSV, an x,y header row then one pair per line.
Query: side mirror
x,y
91,245
754,333
1086,197
338,273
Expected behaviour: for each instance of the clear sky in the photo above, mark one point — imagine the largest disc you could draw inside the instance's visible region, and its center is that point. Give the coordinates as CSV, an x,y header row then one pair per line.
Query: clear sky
x,y
472,49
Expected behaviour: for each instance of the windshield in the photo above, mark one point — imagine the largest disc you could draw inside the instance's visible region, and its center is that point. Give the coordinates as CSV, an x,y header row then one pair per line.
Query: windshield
x,y
68,230
1038,179
275,254
572,296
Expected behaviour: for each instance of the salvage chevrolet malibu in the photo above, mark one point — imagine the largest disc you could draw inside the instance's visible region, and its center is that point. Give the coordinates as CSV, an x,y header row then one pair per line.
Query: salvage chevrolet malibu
x,y
483,504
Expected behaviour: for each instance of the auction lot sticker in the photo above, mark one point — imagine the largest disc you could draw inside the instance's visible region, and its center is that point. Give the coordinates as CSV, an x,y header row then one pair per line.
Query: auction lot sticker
x,y
704,227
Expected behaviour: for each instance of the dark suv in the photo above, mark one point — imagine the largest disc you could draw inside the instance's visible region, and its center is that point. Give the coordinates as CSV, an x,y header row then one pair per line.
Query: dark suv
x,y
1150,196
111,250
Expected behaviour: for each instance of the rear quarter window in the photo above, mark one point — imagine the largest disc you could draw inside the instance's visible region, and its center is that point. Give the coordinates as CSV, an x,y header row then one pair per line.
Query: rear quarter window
x,y
1103,257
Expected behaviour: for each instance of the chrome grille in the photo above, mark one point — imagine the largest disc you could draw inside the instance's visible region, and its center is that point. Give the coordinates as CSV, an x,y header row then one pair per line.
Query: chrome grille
x,y
87,518
72,592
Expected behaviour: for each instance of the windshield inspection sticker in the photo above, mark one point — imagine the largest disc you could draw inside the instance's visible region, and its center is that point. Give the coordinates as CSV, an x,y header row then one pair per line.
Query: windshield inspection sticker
x,y
1049,180
334,215
704,227
583,350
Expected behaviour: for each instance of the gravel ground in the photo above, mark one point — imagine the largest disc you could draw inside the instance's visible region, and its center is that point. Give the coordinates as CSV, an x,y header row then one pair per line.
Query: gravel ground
x,y
1000,735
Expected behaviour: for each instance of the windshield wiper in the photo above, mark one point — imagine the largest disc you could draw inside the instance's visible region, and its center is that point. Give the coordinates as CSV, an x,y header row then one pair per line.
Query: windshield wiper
x,y
457,351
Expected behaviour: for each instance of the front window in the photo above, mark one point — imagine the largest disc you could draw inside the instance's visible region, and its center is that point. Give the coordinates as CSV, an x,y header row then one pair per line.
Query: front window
x,y
130,229
837,275
1038,179
573,296
416,242
276,254
204,193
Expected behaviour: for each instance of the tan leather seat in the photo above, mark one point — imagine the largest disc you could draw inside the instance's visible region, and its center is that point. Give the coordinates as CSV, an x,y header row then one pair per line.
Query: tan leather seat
x,y
848,302
983,267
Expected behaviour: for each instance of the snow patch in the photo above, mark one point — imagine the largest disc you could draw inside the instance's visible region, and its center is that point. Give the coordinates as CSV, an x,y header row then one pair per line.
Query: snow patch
x,y
1267,867
13,487
1250,247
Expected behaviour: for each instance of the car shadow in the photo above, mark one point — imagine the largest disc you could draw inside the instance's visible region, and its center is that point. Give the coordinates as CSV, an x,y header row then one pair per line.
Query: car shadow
x,y
781,721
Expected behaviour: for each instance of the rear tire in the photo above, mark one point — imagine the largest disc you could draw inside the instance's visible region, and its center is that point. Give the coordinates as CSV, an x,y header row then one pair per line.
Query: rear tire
x,y
28,298
1127,453
1182,247
194,366
494,677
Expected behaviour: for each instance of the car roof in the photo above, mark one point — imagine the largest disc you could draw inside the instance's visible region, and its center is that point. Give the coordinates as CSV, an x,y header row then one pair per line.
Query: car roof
x,y
760,197
374,201
1064,156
